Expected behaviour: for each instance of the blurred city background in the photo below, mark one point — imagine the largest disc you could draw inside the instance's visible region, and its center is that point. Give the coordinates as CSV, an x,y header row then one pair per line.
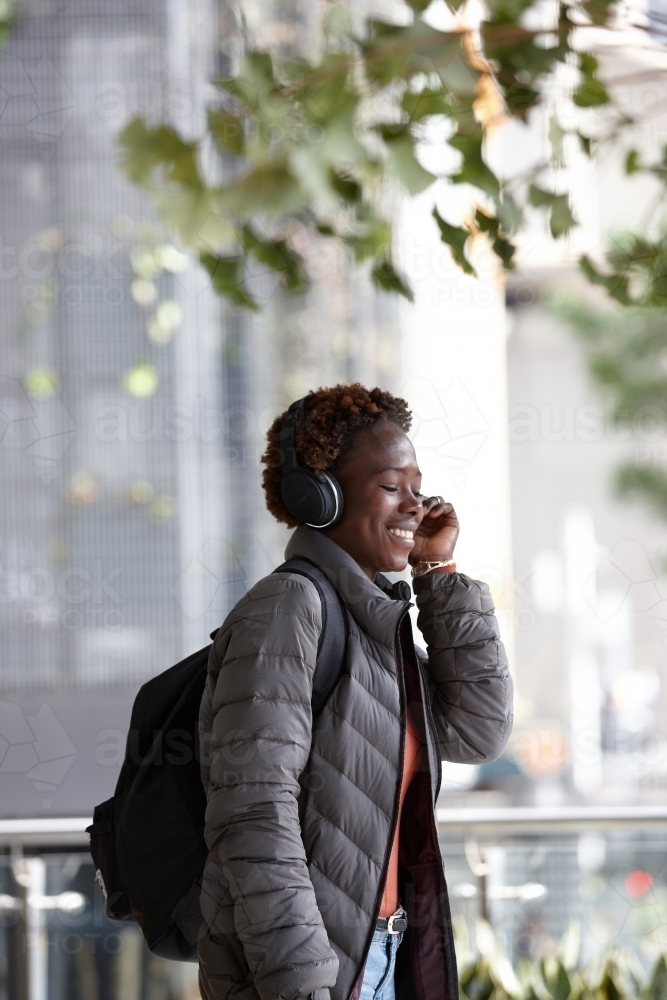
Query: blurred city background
x,y
133,406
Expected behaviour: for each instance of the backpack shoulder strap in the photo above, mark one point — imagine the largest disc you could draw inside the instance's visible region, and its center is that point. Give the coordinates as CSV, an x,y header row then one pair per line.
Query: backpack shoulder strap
x,y
331,646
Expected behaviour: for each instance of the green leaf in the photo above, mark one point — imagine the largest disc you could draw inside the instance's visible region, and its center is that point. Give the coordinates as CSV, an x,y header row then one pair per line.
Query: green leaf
x,y
560,985
254,83
586,143
591,94
632,164
348,189
227,279
591,91
556,137
457,74
374,242
502,247
194,216
324,92
538,197
616,284
473,169
147,148
520,98
486,223
270,189
656,988
508,212
418,6
599,11
385,276
421,104
401,159
507,11
277,255
227,130
393,52
561,220
455,238
520,59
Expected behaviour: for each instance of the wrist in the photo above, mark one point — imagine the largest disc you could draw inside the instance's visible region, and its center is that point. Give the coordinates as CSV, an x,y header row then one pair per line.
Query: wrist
x,y
425,566
429,558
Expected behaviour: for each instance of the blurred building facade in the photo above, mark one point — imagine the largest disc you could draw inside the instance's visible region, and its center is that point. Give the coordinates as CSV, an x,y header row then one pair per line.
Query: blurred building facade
x,y
133,404
589,569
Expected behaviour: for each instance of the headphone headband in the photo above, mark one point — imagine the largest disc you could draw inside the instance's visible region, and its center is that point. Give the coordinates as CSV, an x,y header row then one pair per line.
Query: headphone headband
x,y
288,437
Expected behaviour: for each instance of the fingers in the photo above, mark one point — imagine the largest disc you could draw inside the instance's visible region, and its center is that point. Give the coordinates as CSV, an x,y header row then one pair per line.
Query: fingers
x,y
438,502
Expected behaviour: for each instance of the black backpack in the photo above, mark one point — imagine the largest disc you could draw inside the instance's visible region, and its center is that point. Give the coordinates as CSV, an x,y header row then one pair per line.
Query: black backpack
x,y
147,841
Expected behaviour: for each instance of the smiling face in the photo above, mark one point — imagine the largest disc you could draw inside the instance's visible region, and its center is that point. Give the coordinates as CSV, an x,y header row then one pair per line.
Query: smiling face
x,y
382,507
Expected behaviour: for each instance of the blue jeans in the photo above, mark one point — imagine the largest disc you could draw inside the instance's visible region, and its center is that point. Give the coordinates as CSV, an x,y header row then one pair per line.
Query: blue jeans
x,y
378,981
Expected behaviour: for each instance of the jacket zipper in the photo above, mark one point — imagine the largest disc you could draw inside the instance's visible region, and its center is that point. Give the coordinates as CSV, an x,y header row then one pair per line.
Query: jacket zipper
x,y
431,718
394,817
450,958
452,987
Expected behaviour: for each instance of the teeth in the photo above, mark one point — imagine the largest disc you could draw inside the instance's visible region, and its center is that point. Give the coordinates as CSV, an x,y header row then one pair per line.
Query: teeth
x,y
401,532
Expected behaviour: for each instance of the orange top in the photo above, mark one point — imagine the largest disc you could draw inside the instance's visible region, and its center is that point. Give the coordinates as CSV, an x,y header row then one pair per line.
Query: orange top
x,y
413,746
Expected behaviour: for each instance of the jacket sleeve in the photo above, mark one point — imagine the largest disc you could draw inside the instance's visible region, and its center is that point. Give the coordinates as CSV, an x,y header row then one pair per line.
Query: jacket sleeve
x,y
259,744
466,668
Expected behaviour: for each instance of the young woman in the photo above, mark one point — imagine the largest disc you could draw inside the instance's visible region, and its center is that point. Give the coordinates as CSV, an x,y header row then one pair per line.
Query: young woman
x,y
323,845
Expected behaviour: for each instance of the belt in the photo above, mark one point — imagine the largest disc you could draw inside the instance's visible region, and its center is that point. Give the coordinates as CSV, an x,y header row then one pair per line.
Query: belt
x,y
394,924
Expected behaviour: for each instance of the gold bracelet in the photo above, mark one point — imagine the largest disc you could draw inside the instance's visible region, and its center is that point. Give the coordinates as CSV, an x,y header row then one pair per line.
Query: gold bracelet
x,y
420,568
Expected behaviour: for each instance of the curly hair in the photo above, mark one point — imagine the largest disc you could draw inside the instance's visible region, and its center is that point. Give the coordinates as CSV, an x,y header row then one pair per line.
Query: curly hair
x,y
330,420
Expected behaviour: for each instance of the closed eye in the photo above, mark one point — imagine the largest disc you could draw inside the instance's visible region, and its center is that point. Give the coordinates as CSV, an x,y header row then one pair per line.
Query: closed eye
x,y
394,489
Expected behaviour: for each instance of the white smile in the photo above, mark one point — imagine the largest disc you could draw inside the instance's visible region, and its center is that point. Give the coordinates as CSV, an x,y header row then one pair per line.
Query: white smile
x,y
402,533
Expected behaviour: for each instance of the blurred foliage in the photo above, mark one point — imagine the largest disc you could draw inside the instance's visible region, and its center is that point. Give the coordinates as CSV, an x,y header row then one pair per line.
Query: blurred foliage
x,y
7,18
636,263
486,973
315,148
636,272
626,351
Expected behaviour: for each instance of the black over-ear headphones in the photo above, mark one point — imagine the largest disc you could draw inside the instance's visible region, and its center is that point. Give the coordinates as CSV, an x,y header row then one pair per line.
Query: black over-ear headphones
x,y
315,498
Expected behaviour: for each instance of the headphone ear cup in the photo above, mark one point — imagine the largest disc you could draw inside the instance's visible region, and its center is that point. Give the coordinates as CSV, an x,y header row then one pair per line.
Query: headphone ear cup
x,y
315,498
339,496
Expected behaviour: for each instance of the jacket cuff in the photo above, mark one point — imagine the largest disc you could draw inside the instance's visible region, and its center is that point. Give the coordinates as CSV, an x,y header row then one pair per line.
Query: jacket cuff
x,y
431,583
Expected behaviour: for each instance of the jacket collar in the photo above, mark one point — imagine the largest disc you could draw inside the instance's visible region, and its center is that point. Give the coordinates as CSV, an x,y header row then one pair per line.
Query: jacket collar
x,y
378,607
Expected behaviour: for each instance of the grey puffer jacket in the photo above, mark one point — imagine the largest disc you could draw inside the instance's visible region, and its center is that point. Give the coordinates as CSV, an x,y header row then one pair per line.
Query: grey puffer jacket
x,y
301,815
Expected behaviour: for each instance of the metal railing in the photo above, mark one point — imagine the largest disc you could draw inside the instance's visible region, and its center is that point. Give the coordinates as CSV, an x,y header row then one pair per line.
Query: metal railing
x,y
71,830
479,831
554,819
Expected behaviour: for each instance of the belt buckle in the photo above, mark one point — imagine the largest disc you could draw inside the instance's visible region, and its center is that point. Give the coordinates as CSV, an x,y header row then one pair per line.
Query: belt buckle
x,y
399,916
